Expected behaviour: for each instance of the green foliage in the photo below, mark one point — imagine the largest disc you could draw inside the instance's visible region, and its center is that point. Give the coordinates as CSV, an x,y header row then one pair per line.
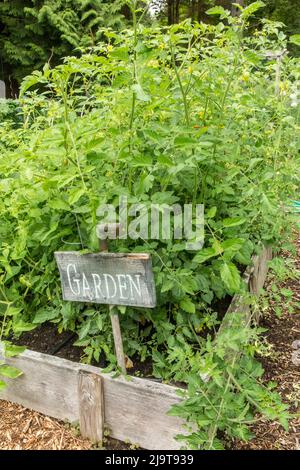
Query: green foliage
x,y
8,371
285,11
224,390
33,32
8,109
10,112
277,295
7,349
183,114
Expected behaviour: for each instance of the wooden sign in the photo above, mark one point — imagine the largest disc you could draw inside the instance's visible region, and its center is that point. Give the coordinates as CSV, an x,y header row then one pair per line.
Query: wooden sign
x,y
107,278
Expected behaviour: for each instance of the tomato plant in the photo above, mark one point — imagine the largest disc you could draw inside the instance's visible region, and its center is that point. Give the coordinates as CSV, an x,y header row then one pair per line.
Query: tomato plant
x,y
188,113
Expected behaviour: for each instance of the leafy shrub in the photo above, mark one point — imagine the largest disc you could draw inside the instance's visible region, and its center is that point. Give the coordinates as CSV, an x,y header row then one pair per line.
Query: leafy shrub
x,y
9,110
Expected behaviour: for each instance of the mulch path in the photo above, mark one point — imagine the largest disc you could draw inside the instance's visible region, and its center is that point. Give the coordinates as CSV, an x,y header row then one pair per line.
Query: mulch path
x,y
23,429
281,366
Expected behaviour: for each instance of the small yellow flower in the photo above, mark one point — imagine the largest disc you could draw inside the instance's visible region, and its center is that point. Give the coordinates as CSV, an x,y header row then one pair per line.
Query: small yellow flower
x,y
284,86
153,63
245,77
110,47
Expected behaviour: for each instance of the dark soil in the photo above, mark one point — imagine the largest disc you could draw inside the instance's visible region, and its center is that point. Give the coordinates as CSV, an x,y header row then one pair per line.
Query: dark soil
x,y
46,339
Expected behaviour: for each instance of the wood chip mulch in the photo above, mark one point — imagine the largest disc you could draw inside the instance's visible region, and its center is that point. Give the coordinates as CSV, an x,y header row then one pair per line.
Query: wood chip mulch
x,y
281,366
23,429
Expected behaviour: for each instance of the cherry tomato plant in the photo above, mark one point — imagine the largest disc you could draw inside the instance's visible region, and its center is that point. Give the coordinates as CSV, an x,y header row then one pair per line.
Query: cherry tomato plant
x,y
189,113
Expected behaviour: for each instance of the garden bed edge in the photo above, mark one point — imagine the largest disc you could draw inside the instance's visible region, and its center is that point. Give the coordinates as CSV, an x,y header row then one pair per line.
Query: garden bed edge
x,y
135,409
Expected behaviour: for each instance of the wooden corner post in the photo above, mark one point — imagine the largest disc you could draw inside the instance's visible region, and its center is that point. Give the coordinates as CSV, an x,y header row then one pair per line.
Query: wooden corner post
x,y
91,406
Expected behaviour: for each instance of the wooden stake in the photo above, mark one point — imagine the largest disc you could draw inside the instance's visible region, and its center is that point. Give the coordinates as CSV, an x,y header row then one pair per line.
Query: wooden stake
x,y
278,56
278,72
115,323
114,316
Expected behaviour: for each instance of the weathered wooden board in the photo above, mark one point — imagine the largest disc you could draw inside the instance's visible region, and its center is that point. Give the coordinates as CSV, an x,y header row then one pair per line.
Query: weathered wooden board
x,y
254,276
134,409
259,270
107,278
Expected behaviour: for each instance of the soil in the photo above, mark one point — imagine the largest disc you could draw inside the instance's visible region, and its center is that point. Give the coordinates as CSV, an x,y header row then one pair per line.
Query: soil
x,y
46,339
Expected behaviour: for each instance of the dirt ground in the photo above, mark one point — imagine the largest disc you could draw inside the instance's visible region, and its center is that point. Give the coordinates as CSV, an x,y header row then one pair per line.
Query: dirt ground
x,y
21,428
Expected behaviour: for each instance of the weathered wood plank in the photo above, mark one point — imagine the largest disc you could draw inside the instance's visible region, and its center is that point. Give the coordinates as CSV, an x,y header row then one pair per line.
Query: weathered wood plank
x,y
254,276
91,405
260,270
118,342
107,278
134,408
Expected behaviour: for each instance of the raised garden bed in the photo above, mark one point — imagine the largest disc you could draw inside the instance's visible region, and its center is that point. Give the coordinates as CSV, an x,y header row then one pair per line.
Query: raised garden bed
x,y
131,408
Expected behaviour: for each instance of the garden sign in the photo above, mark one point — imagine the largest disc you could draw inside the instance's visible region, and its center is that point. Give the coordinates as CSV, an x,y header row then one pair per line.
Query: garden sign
x,y
108,278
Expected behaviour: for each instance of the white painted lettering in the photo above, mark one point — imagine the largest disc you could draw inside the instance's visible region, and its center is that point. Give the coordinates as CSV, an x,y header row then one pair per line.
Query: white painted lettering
x,y
73,282
122,285
136,286
109,295
97,286
86,292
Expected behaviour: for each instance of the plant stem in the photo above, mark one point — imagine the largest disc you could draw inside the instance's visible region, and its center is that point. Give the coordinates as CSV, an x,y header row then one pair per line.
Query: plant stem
x,y
4,321
185,103
213,429
135,81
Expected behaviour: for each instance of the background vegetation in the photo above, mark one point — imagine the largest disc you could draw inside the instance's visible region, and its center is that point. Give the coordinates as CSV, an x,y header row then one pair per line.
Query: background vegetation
x,y
33,32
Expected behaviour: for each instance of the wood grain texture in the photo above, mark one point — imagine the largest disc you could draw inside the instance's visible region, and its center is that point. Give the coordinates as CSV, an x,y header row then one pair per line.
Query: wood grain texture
x,y
260,270
107,278
118,342
254,276
91,406
135,409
